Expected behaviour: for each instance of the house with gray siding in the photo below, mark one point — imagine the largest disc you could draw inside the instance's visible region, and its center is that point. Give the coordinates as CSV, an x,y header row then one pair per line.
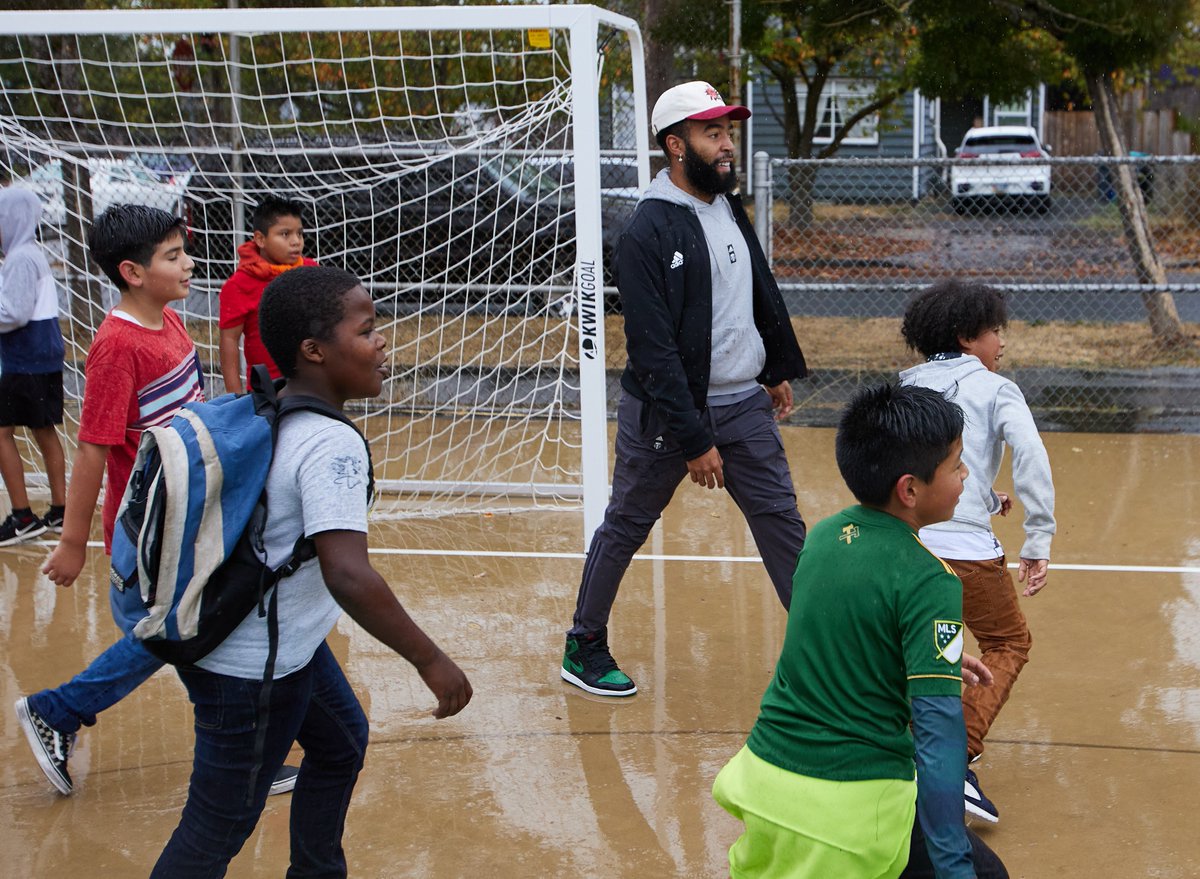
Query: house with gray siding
x,y
914,127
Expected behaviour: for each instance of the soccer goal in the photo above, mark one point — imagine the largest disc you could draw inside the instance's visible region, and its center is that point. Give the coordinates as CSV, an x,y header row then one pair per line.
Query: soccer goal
x,y
451,157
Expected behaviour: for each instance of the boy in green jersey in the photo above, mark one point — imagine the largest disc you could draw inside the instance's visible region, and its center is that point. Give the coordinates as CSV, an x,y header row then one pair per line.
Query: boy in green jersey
x,y
825,784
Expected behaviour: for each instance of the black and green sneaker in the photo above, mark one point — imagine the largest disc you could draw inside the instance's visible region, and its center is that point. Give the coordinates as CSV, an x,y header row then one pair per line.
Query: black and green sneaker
x,y
588,665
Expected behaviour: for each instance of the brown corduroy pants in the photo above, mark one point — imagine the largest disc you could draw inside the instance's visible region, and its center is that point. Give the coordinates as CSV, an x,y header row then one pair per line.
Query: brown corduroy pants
x,y
993,614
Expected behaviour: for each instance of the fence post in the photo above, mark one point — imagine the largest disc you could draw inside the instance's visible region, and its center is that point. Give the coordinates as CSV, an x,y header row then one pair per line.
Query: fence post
x,y
763,201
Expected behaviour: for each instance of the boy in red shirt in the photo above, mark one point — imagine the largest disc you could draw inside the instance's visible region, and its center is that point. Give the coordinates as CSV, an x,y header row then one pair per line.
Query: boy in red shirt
x,y
141,369
277,245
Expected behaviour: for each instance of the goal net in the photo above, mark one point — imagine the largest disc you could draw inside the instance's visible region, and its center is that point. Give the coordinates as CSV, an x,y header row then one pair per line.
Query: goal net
x,y
450,157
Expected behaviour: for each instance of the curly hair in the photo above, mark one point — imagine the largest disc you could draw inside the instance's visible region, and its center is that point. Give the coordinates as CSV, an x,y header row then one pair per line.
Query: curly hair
x,y
303,303
940,315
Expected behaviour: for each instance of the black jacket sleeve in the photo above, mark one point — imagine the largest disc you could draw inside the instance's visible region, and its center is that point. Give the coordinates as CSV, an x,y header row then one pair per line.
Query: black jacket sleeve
x,y
651,335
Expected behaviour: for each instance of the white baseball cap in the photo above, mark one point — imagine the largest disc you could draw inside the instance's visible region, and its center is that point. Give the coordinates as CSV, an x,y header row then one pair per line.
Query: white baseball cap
x,y
692,100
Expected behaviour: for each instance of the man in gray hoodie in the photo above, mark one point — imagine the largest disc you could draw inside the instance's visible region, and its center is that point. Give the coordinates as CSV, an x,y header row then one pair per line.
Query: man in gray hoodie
x,y
31,363
711,352
956,326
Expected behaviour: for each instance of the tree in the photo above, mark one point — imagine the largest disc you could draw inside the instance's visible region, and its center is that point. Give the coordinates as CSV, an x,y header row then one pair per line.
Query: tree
x,y
994,46
659,54
803,45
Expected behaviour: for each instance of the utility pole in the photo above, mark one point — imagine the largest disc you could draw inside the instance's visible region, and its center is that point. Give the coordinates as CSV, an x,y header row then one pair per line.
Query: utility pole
x,y
735,51
735,69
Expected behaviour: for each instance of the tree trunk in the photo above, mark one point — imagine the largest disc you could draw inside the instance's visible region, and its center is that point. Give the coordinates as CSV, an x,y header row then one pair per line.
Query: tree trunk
x,y
1168,330
660,59
797,134
801,180
86,308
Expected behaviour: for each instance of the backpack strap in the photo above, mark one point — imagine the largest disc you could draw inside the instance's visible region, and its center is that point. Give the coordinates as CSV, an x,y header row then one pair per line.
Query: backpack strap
x,y
265,389
270,405
305,403
264,695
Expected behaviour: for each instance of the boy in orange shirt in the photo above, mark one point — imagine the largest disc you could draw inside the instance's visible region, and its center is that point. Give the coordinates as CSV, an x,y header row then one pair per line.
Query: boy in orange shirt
x,y
276,247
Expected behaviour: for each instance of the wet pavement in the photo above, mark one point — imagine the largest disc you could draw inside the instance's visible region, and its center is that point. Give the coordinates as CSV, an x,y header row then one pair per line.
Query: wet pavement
x,y
1093,763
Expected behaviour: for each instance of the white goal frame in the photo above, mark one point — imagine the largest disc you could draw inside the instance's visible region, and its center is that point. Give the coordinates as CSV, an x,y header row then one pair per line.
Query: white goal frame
x,y
583,22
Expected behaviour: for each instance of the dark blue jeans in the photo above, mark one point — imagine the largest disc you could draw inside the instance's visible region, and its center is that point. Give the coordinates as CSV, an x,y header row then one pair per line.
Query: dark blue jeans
x,y
313,706
112,676
987,863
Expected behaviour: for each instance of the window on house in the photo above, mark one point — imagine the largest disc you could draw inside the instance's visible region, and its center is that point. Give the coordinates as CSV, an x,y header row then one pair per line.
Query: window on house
x,y
840,100
1015,113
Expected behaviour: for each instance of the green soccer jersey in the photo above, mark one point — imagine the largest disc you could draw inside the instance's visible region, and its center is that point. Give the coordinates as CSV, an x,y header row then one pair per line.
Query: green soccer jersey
x,y
875,620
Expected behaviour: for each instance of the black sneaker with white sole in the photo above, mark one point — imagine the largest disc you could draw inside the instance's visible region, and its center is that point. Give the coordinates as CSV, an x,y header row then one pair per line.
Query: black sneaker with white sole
x,y
588,665
53,520
976,802
51,747
19,528
285,780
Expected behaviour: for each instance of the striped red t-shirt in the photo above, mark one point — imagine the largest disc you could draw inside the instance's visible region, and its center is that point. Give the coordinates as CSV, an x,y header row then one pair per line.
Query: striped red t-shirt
x,y
136,378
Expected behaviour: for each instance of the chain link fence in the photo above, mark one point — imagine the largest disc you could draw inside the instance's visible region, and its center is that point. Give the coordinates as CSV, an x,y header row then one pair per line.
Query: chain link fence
x,y
851,240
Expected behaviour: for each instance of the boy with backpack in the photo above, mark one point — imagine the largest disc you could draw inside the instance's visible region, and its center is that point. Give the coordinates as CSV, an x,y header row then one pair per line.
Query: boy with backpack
x,y
277,246
319,326
31,364
141,369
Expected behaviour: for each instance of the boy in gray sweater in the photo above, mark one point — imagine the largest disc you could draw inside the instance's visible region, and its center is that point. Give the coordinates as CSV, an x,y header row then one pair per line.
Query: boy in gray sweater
x,y
956,326
31,366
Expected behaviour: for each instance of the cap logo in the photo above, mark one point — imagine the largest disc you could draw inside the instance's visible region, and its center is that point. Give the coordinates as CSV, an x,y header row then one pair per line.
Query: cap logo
x,y
713,93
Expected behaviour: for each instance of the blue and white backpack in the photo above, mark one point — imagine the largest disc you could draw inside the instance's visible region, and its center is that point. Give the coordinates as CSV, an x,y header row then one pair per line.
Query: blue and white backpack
x,y
187,552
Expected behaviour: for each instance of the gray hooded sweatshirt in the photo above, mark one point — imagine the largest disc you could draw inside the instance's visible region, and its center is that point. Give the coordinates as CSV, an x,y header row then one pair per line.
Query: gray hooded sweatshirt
x,y
30,340
995,413
738,354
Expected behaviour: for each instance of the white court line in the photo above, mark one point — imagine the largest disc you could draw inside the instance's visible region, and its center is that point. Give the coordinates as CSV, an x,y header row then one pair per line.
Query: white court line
x,y
648,557
740,559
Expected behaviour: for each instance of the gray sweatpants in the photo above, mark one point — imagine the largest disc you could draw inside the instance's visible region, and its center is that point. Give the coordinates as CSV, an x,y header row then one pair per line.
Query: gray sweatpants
x,y
649,466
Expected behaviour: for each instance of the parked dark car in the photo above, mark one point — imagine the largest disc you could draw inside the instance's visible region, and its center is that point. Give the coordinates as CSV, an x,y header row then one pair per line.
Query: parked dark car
x,y
467,230
618,173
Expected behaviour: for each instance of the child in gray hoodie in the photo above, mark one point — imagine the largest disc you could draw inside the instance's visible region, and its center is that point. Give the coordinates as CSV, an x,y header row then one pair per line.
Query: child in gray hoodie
x,y
31,364
956,326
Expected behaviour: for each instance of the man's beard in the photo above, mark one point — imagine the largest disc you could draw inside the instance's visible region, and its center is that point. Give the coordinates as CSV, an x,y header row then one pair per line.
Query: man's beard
x,y
705,177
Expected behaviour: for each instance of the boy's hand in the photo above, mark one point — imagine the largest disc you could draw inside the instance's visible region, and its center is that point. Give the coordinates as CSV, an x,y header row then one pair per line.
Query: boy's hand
x,y
781,400
974,672
446,681
1035,571
65,563
1005,503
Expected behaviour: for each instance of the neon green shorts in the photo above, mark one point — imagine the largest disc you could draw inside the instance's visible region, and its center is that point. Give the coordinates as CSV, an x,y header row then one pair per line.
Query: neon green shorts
x,y
798,826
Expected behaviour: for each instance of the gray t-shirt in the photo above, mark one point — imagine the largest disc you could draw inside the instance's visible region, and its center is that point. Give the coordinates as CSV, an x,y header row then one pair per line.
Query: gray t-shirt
x,y
318,482
738,355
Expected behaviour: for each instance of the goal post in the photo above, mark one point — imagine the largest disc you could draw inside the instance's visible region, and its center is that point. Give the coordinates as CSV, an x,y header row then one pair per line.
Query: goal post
x,y
451,157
